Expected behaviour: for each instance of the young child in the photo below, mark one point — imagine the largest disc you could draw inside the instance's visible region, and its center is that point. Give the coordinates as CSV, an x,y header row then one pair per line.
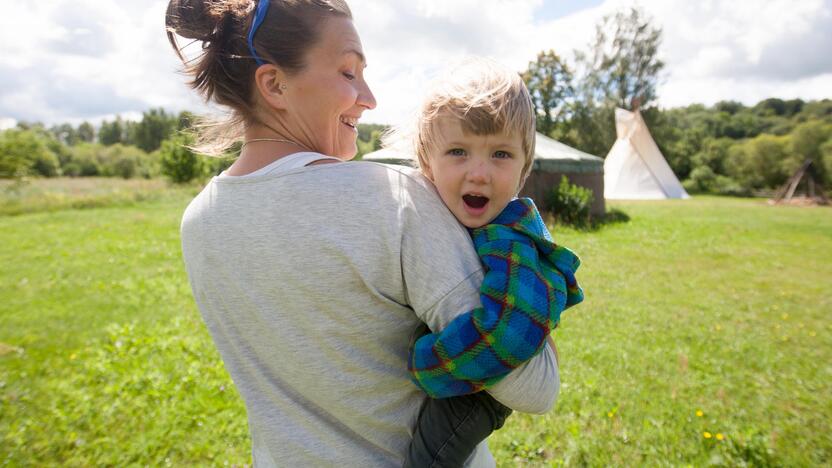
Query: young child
x,y
475,137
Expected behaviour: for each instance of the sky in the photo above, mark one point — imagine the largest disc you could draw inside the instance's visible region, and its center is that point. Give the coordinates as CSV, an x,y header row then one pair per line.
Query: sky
x,y
76,60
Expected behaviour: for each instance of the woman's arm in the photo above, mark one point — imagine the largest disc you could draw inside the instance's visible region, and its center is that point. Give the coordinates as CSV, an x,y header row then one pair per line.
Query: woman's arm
x,y
533,387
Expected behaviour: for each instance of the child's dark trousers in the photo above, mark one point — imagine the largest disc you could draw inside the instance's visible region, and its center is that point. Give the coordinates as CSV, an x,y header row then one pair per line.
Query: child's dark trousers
x,y
449,429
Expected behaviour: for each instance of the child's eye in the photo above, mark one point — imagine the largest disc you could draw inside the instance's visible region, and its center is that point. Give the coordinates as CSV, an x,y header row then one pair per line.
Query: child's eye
x,y
502,155
349,76
457,152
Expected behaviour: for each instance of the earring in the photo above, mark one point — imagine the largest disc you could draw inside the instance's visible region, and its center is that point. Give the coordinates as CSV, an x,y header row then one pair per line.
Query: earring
x,y
282,86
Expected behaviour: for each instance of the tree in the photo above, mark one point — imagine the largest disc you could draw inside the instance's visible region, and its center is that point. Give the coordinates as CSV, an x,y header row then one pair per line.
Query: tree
x,y
713,154
186,120
113,132
731,107
86,132
826,160
156,126
179,162
622,68
758,163
550,84
65,133
807,139
592,129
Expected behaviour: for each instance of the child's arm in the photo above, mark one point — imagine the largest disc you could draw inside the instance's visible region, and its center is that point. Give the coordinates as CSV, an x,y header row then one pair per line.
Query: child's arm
x,y
528,282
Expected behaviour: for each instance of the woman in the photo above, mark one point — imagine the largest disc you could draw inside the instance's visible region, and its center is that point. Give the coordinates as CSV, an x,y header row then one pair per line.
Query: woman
x,y
312,275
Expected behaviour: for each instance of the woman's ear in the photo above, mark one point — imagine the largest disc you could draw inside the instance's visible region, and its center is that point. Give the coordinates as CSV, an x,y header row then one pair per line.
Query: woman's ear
x,y
270,82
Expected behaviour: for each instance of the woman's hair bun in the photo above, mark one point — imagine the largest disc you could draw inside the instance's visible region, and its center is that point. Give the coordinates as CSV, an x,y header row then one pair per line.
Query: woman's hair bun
x,y
201,19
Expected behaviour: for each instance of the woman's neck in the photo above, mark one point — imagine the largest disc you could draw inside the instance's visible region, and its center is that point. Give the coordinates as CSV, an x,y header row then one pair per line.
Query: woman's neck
x,y
261,147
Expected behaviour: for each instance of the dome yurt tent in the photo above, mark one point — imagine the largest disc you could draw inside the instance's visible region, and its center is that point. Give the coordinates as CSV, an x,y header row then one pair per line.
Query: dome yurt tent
x,y
552,160
635,168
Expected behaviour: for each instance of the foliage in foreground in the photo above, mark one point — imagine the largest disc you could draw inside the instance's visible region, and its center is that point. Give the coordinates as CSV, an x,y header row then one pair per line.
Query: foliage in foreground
x,y
138,395
570,204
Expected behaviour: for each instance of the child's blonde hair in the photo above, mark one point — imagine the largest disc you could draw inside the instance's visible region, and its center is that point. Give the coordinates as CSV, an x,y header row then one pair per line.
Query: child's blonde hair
x,y
487,98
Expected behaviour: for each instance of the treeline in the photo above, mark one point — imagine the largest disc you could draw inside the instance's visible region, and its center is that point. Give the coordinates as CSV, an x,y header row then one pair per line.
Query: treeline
x,y
156,145
727,148
733,149
118,148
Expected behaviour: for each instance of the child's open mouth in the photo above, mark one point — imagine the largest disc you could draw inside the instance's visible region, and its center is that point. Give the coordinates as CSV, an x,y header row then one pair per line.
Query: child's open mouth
x,y
475,204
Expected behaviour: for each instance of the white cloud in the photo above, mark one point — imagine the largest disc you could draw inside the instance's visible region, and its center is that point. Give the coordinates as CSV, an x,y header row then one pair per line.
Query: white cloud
x,y
86,59
69,60
7,123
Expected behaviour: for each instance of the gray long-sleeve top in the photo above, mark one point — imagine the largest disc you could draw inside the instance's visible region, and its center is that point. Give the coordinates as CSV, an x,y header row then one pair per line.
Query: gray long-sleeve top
x,y
311,282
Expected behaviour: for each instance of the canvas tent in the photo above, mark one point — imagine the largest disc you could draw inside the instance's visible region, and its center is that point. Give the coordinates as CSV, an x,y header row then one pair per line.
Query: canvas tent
x,y
635,168
552,159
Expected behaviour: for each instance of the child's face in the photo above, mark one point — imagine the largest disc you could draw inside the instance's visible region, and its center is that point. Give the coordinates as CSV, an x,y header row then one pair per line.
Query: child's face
x,y
476,175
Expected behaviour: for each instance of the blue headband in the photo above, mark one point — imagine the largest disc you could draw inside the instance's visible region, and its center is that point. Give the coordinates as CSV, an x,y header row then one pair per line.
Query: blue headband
x,y
259,16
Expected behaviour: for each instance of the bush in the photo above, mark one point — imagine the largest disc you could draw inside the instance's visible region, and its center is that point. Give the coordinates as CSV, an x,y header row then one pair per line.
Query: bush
x,y
570,204
127,162
701,180
84,161
23,152
45,164
724,185
213,165
704,180
179,163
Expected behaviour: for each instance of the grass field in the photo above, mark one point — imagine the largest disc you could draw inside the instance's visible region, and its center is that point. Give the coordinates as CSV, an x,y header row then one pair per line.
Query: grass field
x,y
705,340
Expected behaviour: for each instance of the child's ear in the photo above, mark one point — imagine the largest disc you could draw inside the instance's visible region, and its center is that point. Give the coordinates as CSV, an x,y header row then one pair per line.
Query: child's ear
x,y
270,82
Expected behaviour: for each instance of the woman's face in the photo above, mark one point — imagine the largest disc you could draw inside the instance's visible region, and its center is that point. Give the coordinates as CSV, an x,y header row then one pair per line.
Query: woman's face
x,y
325,100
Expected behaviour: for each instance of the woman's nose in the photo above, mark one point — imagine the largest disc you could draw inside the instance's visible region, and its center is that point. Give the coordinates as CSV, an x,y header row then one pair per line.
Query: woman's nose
x,y
366,98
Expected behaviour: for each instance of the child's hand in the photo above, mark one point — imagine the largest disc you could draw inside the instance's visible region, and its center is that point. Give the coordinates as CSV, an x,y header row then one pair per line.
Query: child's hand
x,y
554,348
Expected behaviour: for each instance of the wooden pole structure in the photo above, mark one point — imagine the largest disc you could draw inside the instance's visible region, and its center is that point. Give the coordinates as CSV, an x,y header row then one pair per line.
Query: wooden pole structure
x,y
814,189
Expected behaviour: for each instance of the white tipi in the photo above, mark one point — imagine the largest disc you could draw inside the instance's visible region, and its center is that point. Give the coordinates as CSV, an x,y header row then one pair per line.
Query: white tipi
x,y
635,168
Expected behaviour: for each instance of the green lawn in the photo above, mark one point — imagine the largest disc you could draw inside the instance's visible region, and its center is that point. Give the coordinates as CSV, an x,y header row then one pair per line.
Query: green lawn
x,y
704,339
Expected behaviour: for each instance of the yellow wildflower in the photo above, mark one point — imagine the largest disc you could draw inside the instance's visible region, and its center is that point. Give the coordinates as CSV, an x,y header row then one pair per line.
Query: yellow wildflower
x,y
699,413
719,436
706,435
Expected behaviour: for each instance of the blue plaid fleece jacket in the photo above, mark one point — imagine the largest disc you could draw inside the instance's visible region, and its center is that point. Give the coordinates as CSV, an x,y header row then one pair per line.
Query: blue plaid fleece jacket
x,y
529,281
